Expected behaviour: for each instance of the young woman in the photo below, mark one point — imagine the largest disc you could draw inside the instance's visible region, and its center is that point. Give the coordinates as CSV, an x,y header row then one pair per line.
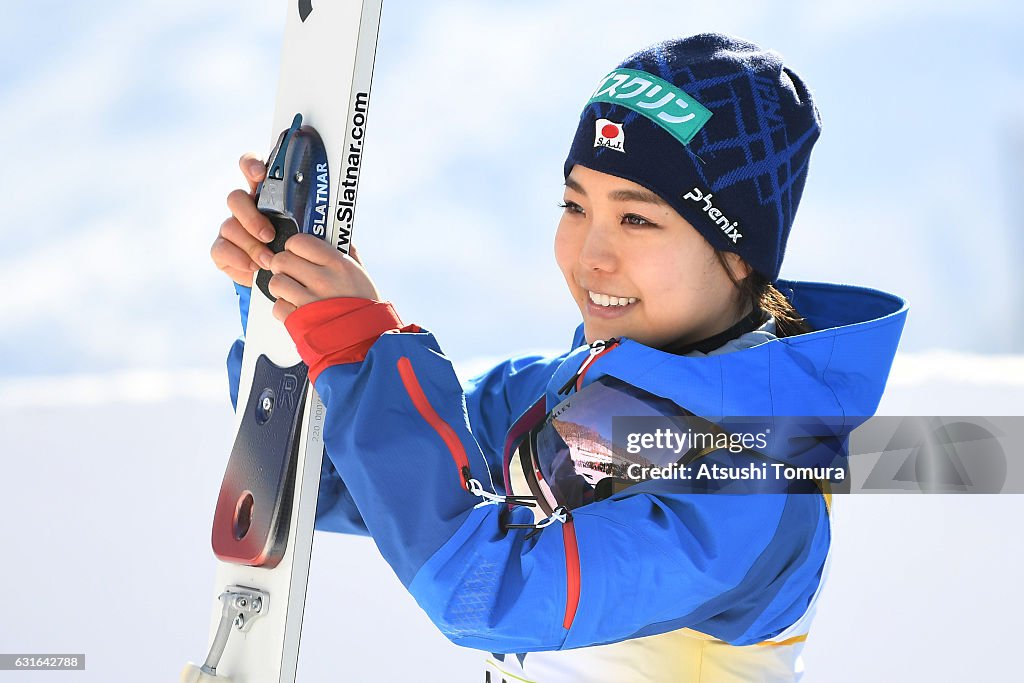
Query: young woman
x,y
504,505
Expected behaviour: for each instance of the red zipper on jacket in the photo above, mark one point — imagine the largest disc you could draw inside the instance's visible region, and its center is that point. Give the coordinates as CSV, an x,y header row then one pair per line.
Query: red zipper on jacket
x,y
427,412
572,573
572,550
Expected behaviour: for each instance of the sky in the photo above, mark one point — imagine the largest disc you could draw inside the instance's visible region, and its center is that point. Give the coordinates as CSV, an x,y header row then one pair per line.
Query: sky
x,y
125,122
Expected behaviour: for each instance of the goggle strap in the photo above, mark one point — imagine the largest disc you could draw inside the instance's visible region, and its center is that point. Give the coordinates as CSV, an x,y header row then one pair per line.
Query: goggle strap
x,y
490,498
560,514
525,501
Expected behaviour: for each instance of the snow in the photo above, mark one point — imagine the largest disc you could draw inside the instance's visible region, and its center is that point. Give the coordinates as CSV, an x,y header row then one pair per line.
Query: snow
x,y
109,492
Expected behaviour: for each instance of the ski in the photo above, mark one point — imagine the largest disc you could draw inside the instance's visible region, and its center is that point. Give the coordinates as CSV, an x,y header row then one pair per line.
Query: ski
x,y
263,522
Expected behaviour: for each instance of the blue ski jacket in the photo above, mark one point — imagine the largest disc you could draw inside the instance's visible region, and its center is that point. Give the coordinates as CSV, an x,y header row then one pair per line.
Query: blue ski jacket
x,y
403,436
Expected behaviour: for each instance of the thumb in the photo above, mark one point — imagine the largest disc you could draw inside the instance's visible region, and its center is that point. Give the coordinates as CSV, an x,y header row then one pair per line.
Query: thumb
x,y
253,169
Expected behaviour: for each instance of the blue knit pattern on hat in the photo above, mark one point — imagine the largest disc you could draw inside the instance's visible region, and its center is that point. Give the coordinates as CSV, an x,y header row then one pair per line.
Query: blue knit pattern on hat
x,y
751,157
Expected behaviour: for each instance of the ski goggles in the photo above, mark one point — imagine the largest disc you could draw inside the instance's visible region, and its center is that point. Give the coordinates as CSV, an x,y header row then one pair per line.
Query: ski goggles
x,y
611,435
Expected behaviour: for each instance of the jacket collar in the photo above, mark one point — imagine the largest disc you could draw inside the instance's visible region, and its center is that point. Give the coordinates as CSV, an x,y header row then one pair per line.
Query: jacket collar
x,y
838,369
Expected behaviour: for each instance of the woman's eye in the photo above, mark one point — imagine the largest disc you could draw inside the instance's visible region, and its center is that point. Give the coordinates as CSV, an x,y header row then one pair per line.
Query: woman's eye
x,y
633,219
571,207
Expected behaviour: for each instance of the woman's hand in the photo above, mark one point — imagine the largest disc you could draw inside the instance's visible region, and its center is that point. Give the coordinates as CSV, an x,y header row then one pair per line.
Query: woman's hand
x,y
307,270
241,245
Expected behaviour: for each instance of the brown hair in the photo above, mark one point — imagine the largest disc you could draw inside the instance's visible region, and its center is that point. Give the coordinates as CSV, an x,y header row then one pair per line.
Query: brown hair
x,y
756,290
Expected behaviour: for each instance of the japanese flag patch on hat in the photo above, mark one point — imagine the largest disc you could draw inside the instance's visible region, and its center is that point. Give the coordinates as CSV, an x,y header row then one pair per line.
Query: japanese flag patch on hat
x,y
610,134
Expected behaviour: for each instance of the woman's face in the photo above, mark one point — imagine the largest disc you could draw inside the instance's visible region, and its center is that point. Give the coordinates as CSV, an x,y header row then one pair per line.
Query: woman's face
x,y
638,269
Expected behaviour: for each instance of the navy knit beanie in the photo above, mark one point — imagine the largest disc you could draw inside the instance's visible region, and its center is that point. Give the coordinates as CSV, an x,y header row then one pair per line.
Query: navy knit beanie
x,y
718,128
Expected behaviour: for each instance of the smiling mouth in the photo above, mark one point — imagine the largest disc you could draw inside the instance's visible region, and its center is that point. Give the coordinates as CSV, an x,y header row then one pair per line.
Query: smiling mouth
x,y
608,301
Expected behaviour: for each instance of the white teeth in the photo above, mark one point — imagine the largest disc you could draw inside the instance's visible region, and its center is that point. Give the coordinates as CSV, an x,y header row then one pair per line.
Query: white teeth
x,y
607,300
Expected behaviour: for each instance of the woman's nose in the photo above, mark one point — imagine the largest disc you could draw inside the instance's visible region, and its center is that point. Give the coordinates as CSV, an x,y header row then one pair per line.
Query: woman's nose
x,y
598,249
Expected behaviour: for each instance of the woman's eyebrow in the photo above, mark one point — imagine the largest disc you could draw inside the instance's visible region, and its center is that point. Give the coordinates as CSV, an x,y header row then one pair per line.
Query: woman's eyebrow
x,y
621,195
637,196
576,187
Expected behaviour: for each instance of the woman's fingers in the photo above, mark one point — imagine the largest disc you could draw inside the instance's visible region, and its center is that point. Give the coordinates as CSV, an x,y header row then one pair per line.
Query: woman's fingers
x,y
242,277
290,290
233,261
282,309
312,249
311,275
232,231
227,255
240,246
244,209
253,169
322,271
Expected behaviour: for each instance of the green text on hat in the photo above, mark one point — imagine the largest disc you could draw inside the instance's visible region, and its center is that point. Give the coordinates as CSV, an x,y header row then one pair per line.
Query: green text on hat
x,y
655,98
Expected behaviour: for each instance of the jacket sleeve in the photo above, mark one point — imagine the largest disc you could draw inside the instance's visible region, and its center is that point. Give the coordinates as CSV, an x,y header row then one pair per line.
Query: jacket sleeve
x,y
335,509
646,561
238,347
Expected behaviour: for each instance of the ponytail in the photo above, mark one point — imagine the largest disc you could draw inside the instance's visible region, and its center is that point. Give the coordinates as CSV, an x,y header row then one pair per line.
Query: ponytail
x,y
756,290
